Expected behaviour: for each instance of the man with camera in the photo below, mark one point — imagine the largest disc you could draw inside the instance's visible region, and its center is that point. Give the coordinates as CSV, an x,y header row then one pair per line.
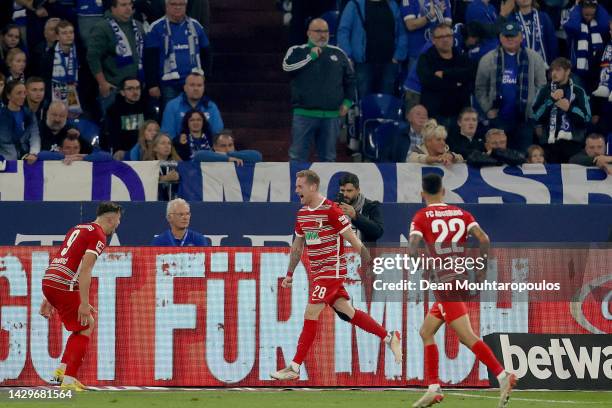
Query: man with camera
x,y
366,217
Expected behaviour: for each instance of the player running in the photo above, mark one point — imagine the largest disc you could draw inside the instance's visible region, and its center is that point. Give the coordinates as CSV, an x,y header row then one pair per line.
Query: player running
x,y
65,287
323,227
444,228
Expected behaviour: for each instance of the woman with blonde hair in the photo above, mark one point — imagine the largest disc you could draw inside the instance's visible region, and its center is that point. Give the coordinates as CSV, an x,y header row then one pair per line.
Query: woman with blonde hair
x,y
144,145
163,150
434,149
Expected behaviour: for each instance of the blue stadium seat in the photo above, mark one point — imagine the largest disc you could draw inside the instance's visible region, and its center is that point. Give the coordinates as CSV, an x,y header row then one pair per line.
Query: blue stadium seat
x,y
375,110
332,17
380,139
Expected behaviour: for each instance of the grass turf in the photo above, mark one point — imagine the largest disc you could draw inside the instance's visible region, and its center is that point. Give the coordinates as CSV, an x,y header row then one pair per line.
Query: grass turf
x,y
311,399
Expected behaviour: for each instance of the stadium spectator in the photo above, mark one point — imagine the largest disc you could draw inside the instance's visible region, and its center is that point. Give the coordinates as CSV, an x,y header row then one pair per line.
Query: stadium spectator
x,y
434,149
70,151
19,137
115,50
303,12
162,150
496,152
483,13
594,153
396,151
586,28
175,47
60,68
465,140
374,38
192,98
420,17
601,106
10,37
89,13
535,154
35,98
322,91
195,135
507,81
40,49
124,118
366,215
446,76
562,108
536,26
178,214
146,134
16,61
56,128
224,150
474,40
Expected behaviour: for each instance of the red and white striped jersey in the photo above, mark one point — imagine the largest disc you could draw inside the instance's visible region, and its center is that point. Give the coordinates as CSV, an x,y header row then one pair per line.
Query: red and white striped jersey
x,y
62,272
321,227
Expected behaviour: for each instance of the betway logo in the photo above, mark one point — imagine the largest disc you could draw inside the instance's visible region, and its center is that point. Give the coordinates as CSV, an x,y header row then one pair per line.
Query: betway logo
x,y
538,360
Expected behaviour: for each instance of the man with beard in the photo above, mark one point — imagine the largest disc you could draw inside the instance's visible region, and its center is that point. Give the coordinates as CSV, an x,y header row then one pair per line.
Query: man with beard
x,y
366,216
55,129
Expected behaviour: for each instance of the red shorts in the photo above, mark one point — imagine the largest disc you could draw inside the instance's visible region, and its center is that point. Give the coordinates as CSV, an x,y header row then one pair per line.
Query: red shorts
x,y
448,311
67,305
327,291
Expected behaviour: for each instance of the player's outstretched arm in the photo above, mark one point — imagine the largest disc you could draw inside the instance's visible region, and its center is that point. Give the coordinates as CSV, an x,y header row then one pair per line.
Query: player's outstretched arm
x,y
87,265
297,247
413,244
356,243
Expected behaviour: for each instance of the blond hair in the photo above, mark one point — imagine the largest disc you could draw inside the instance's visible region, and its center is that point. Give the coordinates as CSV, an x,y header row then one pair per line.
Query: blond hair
x,y
311,177
433,129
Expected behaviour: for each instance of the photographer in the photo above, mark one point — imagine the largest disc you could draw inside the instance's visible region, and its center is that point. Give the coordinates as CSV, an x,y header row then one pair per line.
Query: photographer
x,y
366,217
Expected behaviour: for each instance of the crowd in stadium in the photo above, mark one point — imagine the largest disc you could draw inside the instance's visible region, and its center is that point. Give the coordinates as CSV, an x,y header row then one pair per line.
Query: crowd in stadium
x,y
505,83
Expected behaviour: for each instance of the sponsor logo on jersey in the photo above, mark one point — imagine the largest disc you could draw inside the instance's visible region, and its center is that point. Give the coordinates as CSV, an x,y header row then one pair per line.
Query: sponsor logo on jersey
x,y
312,237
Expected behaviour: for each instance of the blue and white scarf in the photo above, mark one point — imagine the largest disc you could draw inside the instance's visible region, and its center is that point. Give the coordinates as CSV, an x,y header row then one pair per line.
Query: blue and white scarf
x,y
197,143
589,42
605,77
170,66
565,132
65,67
125,54
532,32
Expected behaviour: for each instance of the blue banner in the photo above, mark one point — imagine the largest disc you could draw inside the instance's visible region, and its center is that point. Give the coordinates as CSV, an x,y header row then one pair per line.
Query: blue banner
x,y
275,182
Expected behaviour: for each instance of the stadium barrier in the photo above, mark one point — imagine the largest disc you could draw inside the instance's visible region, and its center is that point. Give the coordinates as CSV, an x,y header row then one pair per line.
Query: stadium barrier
x,y
218,317
275,182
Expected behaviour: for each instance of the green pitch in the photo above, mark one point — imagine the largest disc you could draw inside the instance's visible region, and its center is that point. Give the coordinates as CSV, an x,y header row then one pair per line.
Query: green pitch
x,y
313,399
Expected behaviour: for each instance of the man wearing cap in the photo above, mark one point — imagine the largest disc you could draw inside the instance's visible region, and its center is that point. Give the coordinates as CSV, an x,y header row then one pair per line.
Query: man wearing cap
x,y
507,82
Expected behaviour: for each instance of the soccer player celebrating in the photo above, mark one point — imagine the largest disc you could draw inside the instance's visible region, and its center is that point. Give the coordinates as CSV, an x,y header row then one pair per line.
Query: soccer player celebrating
x,y
322,225
444,228
65,287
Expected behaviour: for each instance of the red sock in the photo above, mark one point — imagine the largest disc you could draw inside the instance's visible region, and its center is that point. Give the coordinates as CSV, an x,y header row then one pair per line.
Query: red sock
x,y
309,331
74,353
365,322
485,355
431,364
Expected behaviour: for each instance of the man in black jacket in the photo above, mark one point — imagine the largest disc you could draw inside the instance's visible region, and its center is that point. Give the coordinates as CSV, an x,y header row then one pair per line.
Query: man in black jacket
x,y
447,77
322,91
366,217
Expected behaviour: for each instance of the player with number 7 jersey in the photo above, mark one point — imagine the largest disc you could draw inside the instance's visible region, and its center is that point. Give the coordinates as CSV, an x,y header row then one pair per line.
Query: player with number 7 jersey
x,y
444,229
323,227
65,287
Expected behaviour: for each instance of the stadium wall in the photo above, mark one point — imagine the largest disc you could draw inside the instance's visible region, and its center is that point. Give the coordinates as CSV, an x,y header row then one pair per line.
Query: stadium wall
x,y
218,317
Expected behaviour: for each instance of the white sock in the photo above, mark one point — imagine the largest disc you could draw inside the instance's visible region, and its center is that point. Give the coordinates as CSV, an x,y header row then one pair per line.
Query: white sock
x,y
501,376
62,366
433,387
295,366
68,380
